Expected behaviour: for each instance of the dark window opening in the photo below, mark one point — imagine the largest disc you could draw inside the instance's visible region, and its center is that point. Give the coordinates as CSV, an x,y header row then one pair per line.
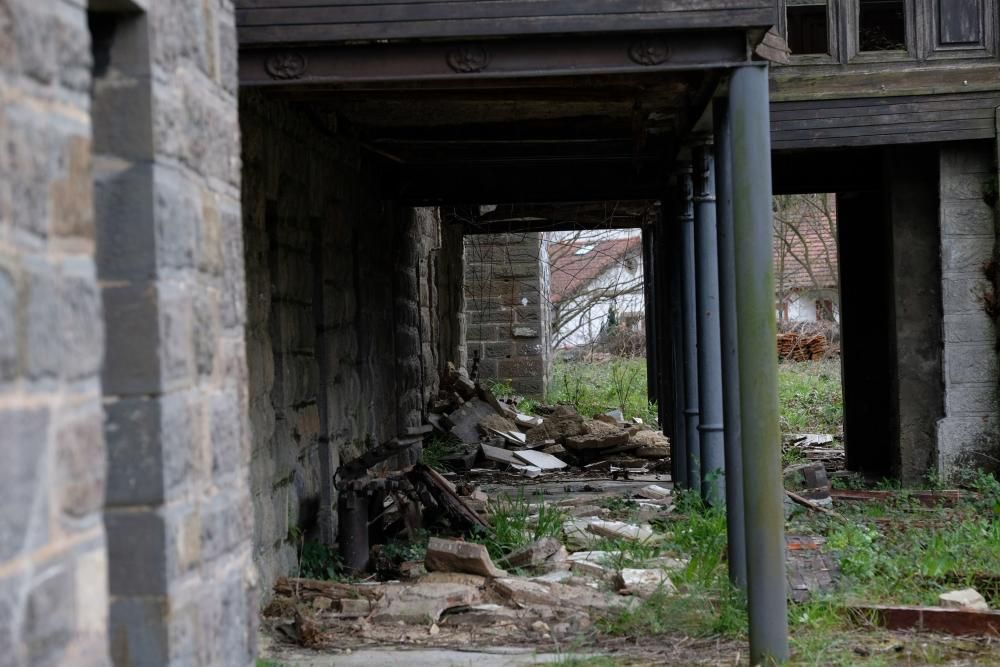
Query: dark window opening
x,y
807,30
824,310
882,25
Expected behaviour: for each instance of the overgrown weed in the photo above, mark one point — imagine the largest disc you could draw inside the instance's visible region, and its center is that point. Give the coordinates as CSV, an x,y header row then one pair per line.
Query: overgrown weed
x,y
516,522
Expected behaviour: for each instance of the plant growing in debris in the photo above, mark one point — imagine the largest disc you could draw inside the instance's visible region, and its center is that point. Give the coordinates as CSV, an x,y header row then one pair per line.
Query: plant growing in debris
x,y
434,451
318,561
624,384
516,522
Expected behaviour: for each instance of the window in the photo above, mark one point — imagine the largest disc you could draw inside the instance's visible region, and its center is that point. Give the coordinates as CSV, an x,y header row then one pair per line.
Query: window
x,y
824,310
882,25
807,30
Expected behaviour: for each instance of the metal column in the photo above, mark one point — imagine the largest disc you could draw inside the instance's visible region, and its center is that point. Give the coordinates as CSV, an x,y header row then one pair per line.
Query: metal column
x,y
758,367
713,463
735,526
689,317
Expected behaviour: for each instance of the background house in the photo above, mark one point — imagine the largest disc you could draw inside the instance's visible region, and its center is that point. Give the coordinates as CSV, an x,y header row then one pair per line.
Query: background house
x,y
596,283
805,258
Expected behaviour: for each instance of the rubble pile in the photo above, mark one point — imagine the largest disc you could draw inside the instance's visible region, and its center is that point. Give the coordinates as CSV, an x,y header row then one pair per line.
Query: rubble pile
x,y
490,433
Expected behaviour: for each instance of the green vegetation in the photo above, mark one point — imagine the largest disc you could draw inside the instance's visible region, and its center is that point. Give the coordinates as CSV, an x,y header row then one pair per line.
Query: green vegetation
x,y
435,450
593,387
811,397
516,522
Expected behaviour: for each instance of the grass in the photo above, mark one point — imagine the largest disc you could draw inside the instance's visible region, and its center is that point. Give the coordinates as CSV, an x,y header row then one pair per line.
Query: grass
x,y
434,451
596,387
811,397
516,522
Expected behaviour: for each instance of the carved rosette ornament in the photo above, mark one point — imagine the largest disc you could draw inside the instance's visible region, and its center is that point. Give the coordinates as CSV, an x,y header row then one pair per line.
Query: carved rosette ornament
x,y
649,52
286,65
468,59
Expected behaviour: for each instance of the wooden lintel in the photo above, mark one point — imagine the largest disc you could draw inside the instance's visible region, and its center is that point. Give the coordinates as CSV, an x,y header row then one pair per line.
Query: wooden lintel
x,y
301,67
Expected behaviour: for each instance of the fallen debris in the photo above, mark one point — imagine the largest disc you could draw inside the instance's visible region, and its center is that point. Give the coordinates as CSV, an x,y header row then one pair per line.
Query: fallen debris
x,y
498,455
644,583
454,556
540,460
464,422
929,619
423,603
533,554
967,598
564,422
620,530
654,492
595,436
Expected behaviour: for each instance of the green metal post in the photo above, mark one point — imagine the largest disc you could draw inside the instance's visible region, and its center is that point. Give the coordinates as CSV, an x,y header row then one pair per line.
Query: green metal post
x,y
758,365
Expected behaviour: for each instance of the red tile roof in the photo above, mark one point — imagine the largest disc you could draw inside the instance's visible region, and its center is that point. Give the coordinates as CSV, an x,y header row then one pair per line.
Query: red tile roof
x,y
571,272
805,247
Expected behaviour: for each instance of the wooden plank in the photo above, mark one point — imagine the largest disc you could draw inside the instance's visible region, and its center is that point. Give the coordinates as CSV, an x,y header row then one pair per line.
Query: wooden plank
x,y
928,118
898,129
385,12
478,26
960,22
881,140
894,105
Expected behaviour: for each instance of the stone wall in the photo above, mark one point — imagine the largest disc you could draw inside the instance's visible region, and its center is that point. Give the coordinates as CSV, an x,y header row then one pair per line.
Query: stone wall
x,y
340,335
968,238
507,310
53,563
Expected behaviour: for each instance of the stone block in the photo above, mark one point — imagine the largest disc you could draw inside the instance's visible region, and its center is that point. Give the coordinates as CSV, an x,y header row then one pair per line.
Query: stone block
x,y
137,552
968,598
226,429
41,295
520,367
127,99
24,441
177,218
72,193
126,239
969,327
176,319
132,338
135,459
50,614
138,631
81,462
8,323
453,556
80,319
960,438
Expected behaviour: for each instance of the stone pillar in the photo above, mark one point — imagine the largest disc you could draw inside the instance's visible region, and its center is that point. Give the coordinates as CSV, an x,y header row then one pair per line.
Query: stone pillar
x,y
170,250
53,558
507,309
970,424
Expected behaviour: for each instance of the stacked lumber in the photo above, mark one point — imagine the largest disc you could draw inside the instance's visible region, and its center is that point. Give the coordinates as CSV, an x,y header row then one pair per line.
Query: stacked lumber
x,y
798,347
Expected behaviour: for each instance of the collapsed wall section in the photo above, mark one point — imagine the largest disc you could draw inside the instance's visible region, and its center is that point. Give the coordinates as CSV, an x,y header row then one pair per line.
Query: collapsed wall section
x,y
341,335
507,310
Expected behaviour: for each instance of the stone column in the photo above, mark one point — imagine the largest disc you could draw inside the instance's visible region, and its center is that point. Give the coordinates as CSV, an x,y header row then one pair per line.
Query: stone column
x,y
170,252
970,425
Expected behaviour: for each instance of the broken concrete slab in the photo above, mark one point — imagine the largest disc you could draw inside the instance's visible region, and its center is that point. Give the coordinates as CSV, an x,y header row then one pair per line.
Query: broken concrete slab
x,y
652,444
481,615
644,582
597,436
654,492
454,556
540,460
498,455
967,598
527,421
809,480
494,422
475,580
533,554
423,603
619,530
577,533
554,449
464,422
527,471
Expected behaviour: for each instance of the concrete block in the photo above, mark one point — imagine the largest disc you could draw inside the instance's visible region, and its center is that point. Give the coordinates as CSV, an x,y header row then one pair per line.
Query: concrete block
x,y
963,186
965,158
966,254
970,363
970,217
965,295
971,399
24,441
972,327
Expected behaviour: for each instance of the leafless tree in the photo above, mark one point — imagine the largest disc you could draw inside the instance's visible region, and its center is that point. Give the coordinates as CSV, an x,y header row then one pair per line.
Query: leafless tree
x,y
805,232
